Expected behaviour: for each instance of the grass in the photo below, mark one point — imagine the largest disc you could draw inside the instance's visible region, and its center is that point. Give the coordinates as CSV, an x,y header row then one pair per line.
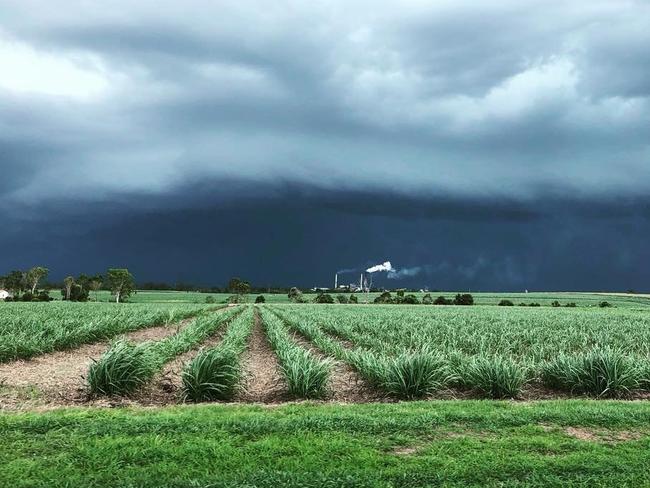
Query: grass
x,y
306,375
215,374
494,351
125,367
495,377
444,443
602,372
30,329
122,369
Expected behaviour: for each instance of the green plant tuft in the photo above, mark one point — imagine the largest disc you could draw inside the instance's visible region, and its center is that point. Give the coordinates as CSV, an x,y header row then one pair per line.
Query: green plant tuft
x,y
120,370
212,375
494,376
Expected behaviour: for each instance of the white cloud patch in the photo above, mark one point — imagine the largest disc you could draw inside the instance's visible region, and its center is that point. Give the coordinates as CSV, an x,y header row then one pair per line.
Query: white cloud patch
x,y
444,98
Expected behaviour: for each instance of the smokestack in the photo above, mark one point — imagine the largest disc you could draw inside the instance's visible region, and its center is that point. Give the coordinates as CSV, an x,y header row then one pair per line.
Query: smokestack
x,y
336,281
361,282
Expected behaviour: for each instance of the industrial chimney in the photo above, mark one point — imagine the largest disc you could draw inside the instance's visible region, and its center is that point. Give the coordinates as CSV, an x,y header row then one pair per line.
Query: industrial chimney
x,y
336,281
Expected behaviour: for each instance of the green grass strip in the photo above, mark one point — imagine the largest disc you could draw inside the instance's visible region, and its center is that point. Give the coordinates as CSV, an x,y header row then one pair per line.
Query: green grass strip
x,y
414,444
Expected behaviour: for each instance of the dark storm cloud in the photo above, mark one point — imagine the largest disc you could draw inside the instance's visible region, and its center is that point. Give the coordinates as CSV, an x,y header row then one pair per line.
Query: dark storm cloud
x,y
444,133
288,237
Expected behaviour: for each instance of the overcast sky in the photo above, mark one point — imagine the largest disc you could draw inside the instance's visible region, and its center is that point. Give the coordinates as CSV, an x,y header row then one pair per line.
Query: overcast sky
x,y
484,145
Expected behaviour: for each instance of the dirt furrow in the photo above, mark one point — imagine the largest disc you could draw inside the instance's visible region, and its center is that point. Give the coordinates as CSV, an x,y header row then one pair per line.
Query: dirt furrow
x,y
345,383
165,387
263,382
58,377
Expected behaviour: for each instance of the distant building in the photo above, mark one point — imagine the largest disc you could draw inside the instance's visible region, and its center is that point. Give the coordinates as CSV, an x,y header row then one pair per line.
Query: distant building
x,y
5,294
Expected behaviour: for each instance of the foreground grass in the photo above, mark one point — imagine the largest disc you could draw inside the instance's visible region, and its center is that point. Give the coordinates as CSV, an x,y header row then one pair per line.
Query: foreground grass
x,y
465,443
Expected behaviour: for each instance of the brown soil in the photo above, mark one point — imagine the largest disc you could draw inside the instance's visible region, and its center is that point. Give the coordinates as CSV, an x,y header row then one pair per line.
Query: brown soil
x,y
58,377
603,436
345,383
263,382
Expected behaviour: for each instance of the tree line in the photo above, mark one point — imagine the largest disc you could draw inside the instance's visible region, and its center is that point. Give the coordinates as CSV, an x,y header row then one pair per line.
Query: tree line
x,y
31,285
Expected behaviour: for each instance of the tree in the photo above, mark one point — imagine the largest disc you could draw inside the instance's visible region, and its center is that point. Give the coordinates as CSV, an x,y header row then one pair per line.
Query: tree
x,y
427,300
15,282
121,283
384,298
67,286
95,284
260,299
353,299
441,300
464,299
35,275
342,299
506,303
295,295
410,299
324,298
239,287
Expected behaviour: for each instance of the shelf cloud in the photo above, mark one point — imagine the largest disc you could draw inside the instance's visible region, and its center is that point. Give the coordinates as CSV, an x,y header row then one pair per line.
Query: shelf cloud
x,y
443,112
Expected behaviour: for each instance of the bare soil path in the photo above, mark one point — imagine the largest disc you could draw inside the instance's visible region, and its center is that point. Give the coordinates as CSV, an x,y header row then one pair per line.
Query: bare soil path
x,y
263,382
345,383
58,377
165,387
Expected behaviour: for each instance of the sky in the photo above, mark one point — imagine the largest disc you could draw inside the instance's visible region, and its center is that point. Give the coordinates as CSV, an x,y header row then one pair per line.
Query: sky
x,y
498,145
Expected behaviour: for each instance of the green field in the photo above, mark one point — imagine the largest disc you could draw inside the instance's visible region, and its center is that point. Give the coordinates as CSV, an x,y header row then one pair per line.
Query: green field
x,y
543,298
28,329
430,375
417,444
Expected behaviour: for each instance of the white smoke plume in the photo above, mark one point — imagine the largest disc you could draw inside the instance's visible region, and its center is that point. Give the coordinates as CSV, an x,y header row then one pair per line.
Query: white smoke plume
x,y
396,274
347,270
381,267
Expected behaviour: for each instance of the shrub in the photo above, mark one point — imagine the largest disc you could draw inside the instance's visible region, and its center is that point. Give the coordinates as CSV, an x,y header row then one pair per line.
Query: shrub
x,y
354,299
571,305
260,299
211,375
464,299
534,304
415,375
604,304
306,376
522,304
385,297
324,298
555,303
599,372
44,296
505,303
427,300
410,300
442,301
27,296
209,299
120,370
295,295
495,377
342,299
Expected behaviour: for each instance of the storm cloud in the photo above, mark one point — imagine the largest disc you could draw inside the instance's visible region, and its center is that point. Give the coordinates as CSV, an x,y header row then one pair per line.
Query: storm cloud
x,y
485,144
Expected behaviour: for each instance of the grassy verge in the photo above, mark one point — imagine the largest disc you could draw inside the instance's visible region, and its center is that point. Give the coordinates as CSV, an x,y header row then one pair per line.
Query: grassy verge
x,y
467,443
125,366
